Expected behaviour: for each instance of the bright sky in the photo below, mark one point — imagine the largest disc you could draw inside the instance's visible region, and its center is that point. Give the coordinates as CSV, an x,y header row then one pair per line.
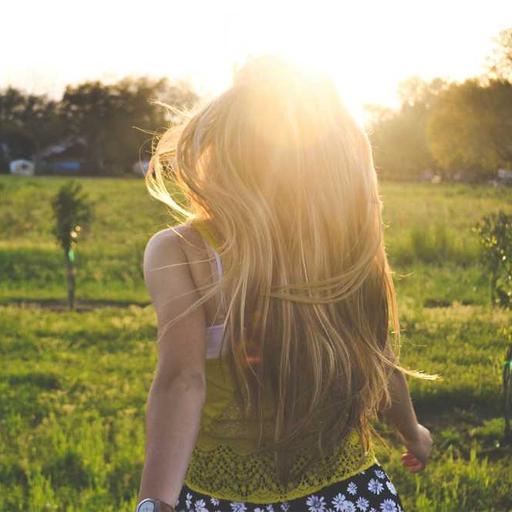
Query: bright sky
x,y
366,46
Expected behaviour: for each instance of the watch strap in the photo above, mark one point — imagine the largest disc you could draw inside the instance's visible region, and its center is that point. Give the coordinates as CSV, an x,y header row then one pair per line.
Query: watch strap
x,y
160,506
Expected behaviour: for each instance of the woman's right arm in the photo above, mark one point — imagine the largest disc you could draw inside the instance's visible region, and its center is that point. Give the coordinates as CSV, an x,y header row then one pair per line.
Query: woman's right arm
x,y
400,414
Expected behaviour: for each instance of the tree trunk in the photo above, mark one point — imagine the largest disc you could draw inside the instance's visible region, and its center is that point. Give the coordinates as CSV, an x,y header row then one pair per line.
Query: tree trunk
x,y
71,282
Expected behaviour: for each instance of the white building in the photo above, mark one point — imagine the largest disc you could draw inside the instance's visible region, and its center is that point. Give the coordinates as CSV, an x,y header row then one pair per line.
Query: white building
x,y
22,167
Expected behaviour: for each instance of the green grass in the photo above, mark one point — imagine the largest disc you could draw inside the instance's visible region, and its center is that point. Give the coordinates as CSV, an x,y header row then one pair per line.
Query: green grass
x,y
73,385
72,407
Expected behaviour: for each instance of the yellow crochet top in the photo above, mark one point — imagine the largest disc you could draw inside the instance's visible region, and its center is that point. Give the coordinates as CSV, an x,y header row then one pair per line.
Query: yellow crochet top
x,y
223,462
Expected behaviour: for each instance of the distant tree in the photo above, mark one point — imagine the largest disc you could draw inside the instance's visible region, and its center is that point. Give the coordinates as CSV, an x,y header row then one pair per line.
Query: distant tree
x,y
73,213
470,127
399,137
113,118
416,92
87,109
28,122
400,147
41,123
499,62
449,127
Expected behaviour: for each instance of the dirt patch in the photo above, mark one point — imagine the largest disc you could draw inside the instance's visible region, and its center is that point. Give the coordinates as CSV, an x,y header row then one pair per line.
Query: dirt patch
x,y
441,303
62,305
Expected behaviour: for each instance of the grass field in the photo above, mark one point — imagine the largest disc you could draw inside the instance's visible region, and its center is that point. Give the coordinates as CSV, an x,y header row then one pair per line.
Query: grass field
x,y
73,385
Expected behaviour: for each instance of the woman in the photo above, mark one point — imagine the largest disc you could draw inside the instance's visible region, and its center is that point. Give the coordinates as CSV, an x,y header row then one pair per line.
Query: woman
x,y
273,299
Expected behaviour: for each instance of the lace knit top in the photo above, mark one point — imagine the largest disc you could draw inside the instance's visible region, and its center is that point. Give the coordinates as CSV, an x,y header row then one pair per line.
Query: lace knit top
x,y
223,463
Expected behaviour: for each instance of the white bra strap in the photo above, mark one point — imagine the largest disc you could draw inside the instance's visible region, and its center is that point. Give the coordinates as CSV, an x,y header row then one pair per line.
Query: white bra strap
x,y
219,273
218,262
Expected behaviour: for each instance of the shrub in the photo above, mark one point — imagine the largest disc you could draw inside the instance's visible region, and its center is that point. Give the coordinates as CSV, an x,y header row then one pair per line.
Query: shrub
x,y
495,231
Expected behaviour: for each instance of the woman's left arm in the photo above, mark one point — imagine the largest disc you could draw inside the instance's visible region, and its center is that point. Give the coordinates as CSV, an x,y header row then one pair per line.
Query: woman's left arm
x,y
178,390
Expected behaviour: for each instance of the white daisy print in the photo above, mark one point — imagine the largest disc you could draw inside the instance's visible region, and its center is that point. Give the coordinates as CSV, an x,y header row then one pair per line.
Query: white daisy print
x,y
391,487
362,504
352,488
380,474
200,506
338,500
375,486
388,506
348,506
315,503
352,499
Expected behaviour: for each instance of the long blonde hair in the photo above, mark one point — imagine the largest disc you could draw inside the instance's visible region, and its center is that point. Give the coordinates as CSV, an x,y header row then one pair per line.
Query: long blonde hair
x,y
284,177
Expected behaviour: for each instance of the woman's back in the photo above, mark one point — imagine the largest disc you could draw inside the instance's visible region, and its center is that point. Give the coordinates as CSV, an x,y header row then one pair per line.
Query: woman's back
x,y
225,459
285,294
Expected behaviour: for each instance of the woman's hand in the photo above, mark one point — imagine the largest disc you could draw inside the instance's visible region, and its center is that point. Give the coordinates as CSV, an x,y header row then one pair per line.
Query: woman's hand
x,y
418,449
401,415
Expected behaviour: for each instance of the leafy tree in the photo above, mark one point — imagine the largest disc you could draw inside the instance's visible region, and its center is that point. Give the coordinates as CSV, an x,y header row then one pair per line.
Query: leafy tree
x,y
28,122
418,93
398,137
449,127
73,213
499,63
495,231
112,118
115,120
470,127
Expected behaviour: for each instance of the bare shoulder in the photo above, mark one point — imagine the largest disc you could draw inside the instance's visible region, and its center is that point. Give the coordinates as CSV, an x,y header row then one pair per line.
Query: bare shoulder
x,y
181,325
168,264
170,243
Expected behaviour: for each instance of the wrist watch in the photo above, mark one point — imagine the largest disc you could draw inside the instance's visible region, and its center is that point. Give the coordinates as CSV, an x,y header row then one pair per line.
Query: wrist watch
x,y
153,505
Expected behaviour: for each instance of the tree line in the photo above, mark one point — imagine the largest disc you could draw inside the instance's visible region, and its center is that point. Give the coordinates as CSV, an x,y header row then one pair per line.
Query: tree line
x,y
458,130
115,121
454,129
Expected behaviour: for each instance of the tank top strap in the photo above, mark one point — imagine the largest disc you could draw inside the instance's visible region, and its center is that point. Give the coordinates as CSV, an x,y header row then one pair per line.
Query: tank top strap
x,y
205,233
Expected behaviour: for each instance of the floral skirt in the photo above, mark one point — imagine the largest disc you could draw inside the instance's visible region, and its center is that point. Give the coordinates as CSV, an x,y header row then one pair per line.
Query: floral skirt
x,y
368,491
